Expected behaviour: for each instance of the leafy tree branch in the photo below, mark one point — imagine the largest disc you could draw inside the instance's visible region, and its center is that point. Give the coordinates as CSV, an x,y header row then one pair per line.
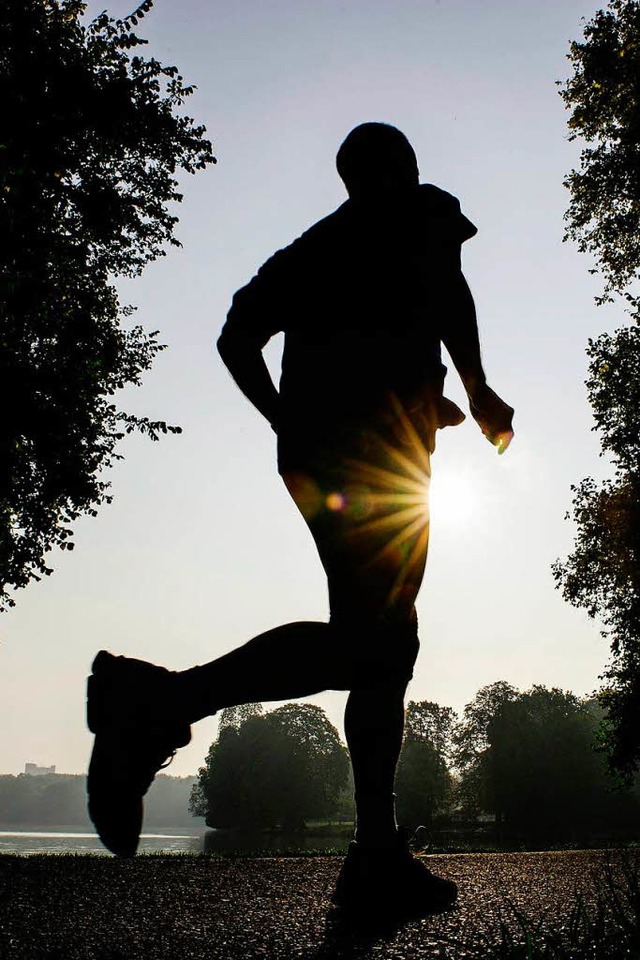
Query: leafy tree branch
x,y
93,137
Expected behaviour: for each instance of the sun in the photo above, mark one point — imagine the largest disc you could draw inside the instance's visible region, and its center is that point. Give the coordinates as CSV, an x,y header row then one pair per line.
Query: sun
x,y
453,499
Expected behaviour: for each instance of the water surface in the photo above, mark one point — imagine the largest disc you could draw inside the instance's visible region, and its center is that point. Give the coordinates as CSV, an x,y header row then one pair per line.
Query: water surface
x,y
171,840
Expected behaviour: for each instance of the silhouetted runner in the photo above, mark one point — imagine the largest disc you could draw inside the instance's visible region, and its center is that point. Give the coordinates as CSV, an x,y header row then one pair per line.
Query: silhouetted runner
x,y
365,299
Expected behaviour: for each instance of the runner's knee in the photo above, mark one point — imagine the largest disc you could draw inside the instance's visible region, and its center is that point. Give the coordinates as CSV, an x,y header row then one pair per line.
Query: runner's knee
x,y
380,652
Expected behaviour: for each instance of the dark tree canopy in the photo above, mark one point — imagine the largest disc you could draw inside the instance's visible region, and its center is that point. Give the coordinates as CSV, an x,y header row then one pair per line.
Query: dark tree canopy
x,y
233,717
428,721
471,744
541,767
424,784
530,759
92,139
271,769
602,575
603,95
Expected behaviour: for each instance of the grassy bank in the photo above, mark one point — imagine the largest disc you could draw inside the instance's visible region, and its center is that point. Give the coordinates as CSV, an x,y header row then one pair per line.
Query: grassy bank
x,y
605,926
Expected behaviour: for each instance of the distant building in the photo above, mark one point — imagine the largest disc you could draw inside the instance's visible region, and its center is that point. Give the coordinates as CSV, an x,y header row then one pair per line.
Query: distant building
x,y
33,770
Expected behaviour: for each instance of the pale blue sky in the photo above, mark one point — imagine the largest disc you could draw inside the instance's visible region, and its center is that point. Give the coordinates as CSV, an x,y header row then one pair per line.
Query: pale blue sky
x,y
201,548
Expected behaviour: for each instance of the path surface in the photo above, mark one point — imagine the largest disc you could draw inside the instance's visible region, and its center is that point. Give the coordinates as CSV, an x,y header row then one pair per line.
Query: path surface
x,y
200,908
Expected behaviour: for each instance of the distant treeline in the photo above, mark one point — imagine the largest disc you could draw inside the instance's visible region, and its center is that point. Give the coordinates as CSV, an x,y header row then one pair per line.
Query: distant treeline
x,y
59,800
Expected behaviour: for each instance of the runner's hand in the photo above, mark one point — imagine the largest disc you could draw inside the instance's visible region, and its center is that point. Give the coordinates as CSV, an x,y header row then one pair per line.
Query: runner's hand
x,y
493,416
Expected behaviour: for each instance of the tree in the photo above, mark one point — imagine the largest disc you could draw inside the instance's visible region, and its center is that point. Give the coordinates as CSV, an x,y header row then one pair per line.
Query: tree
x,y
471,745
428,721
602,574
227,777
536,768
423,780
92,138
541,766
275,769
234,717
313,763
603,96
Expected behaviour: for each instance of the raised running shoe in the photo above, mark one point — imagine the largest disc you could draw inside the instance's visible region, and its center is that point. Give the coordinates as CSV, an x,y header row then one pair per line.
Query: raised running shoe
x,y
131,711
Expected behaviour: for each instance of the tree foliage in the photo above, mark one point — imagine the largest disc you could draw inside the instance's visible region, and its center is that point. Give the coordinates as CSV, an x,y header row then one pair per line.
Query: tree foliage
x,y
602,575
541,767
279,768
428,721
92,138
424,784
471,745
603,95
529,759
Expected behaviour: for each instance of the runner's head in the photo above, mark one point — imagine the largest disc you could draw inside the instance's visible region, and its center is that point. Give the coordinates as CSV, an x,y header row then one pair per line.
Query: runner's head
x,y
375,158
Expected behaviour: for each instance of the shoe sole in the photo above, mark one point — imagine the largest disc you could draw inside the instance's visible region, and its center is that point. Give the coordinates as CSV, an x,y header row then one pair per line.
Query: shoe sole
x,y
384,910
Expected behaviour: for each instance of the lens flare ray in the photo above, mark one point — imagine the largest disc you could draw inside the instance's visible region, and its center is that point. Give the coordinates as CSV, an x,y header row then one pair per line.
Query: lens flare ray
x,y
389,500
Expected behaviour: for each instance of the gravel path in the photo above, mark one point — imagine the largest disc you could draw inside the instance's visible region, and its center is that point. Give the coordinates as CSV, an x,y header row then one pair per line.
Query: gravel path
x,y
199,908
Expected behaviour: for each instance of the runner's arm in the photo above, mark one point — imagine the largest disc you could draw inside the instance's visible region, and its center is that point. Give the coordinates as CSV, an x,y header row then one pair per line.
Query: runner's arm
x,y
255,316
460,335
455,305
493,415
242,356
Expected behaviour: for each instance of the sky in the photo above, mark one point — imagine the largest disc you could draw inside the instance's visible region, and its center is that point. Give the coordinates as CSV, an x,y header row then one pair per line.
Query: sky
x,y
202,548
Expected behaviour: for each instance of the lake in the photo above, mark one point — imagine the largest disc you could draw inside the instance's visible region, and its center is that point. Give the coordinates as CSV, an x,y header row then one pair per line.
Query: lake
x,y
196,839
178,840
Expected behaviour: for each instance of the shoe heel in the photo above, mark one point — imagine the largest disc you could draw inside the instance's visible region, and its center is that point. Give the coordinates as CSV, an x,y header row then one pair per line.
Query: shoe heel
x,y
95,704
103,670
103,662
